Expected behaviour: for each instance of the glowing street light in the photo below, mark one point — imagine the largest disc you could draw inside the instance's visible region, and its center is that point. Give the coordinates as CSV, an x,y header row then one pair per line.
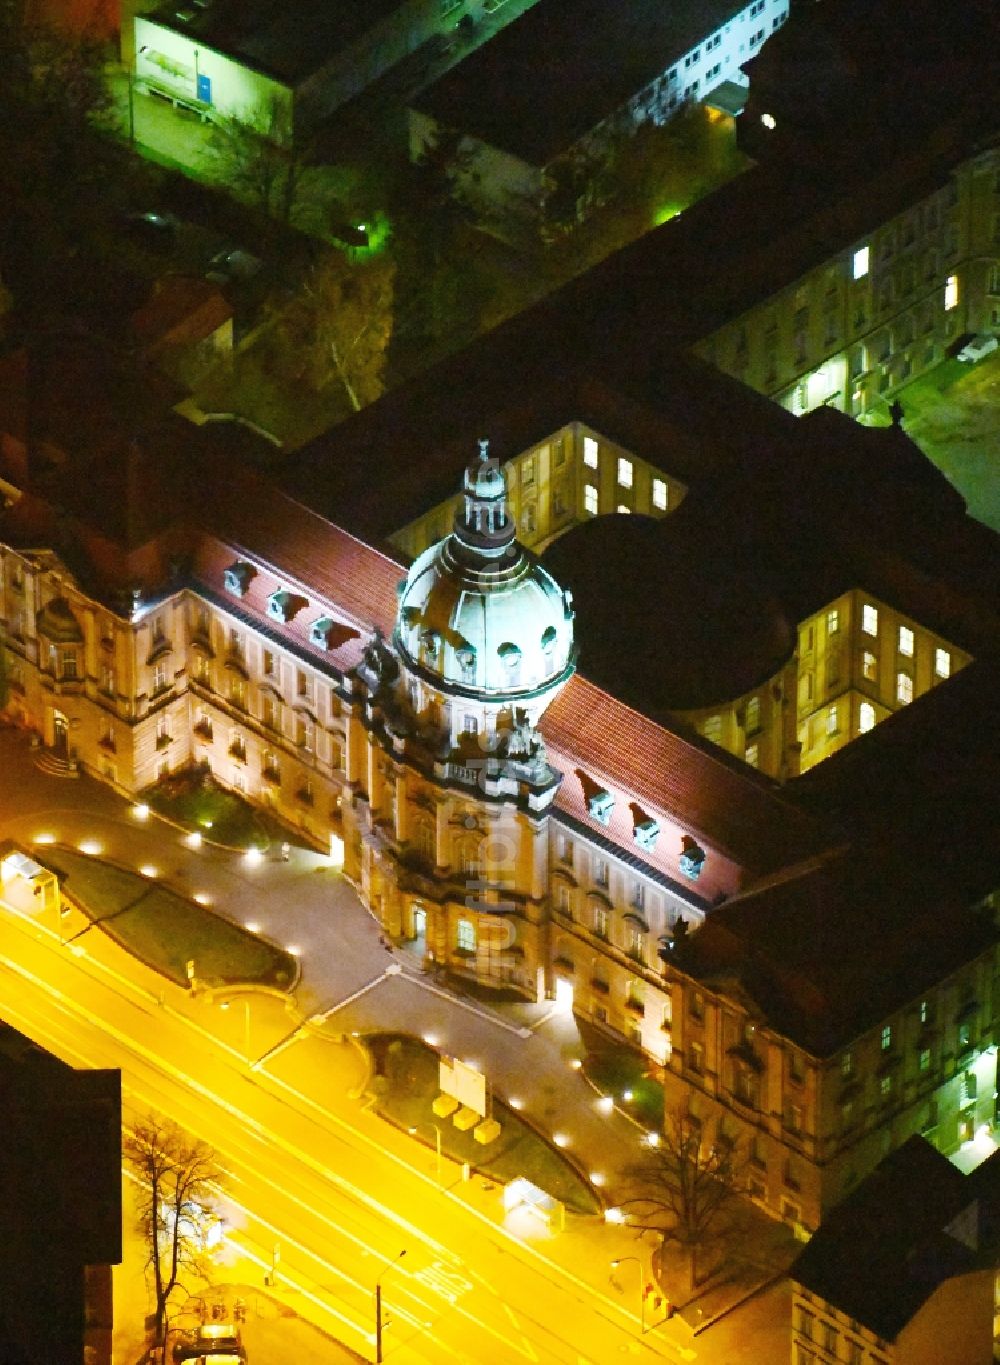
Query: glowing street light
x,y
389,1265
193,840
620,1260
140,811
437,1143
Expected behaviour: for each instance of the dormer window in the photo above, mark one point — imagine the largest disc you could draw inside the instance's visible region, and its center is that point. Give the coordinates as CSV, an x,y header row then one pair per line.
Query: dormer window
x,y
692,858
321,632
601,806
281,606
466,656
646,833
510,656
237,578
549,638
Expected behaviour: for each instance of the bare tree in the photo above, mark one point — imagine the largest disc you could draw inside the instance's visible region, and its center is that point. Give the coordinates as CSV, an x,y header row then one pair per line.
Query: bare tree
x,y
261,162
687,1187
178,1177
338,326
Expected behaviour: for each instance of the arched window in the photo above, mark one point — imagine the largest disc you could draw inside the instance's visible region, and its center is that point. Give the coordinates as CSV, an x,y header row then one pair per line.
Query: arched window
x,y
423,840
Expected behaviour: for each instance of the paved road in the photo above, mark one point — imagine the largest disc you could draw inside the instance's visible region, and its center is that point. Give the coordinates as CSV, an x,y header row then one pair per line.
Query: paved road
x,y
294,1131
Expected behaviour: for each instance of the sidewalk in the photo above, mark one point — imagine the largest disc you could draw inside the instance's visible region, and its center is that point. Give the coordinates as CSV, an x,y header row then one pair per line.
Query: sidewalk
x,y
526,1050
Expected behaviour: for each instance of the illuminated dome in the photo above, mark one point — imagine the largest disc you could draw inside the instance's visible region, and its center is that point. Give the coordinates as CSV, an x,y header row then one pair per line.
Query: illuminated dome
x,y
478,614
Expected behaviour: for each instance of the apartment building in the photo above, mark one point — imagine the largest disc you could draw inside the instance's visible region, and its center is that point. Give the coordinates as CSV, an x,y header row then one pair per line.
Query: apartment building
x,y
885,307
642,64
573,474
900,1272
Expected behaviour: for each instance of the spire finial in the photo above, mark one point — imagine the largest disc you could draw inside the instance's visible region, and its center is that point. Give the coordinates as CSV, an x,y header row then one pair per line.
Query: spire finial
x,y
484,448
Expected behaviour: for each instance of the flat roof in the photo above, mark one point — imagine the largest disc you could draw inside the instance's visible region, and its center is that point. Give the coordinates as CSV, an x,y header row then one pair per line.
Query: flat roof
x,y
564,66
288,40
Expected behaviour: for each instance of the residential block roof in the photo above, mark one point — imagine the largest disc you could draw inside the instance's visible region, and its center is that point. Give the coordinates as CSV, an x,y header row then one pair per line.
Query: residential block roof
x,y
884,1250
577,62
287,41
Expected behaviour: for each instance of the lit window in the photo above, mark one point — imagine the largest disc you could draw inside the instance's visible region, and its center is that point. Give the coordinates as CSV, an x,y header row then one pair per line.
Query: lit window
x,y
924,1059
886,1039
869,665
869,619
528,471
832,622
752,755
753,715
268,664
600,921
590,499
925,1011
906,641
768,121
847,1064
470,725
660,494
904,688
885,1085
866,717
623,509
590,452
951,293
861,262
713,729
831,721
942,663
466,936
624,472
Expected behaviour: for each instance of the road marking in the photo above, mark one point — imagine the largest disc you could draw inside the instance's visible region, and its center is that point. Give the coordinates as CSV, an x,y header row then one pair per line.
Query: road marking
x,y
526,1345
448,1283
462,1004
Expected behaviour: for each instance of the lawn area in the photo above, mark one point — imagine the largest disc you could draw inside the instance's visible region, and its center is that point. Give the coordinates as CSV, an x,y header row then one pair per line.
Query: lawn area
x,y
193,800
406,1083
953,414
166,930
619,1071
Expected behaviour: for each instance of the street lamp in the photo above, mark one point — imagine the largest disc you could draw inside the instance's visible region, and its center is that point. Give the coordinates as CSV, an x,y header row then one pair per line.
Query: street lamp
x,y
437,1143
224,1004
389,1265
642,1286
131,130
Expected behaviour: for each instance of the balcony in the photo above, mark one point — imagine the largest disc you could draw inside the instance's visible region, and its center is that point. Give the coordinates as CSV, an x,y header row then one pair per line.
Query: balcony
x,y
305,796
271,774
599,985
163,742
203,731
238,751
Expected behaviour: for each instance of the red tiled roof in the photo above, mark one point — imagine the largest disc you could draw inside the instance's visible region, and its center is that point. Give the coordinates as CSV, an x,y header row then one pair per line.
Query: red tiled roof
x,y
181,309
737,813
305,549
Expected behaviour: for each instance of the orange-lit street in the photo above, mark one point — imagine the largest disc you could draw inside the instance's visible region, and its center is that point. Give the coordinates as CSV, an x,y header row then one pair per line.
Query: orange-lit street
x,y
337,1192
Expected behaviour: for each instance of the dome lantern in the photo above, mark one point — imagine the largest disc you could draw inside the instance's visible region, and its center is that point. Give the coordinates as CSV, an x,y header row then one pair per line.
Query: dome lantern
x,y
483,524
479,619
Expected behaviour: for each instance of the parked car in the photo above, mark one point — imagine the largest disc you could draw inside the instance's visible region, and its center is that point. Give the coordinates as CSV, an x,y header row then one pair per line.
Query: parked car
x,y
214,1343
151,227
233,264
984,343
